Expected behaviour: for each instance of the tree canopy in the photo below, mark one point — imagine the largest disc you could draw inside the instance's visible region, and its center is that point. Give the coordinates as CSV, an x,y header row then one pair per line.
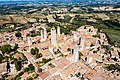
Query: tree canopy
x,y
18,34
6,49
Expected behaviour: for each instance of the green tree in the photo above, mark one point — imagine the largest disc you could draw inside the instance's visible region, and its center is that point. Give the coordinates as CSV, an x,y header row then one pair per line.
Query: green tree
x,y
6,49
30,78
36,50
18,64
68,49
31,68
46,60
3,76
80,54
11,57
35,76
32,51
39,69
17,77
15,47
18,34
26,69
39,55
1,58
113,67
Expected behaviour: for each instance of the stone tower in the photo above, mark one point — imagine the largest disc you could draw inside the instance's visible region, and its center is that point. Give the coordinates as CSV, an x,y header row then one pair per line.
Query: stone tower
x,y
75,36
58,31
29,41
45,33
42,35
81,42
53,37
76,53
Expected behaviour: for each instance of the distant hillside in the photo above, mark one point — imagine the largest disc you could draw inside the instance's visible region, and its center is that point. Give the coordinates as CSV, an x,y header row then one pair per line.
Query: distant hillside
x,y
65,0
